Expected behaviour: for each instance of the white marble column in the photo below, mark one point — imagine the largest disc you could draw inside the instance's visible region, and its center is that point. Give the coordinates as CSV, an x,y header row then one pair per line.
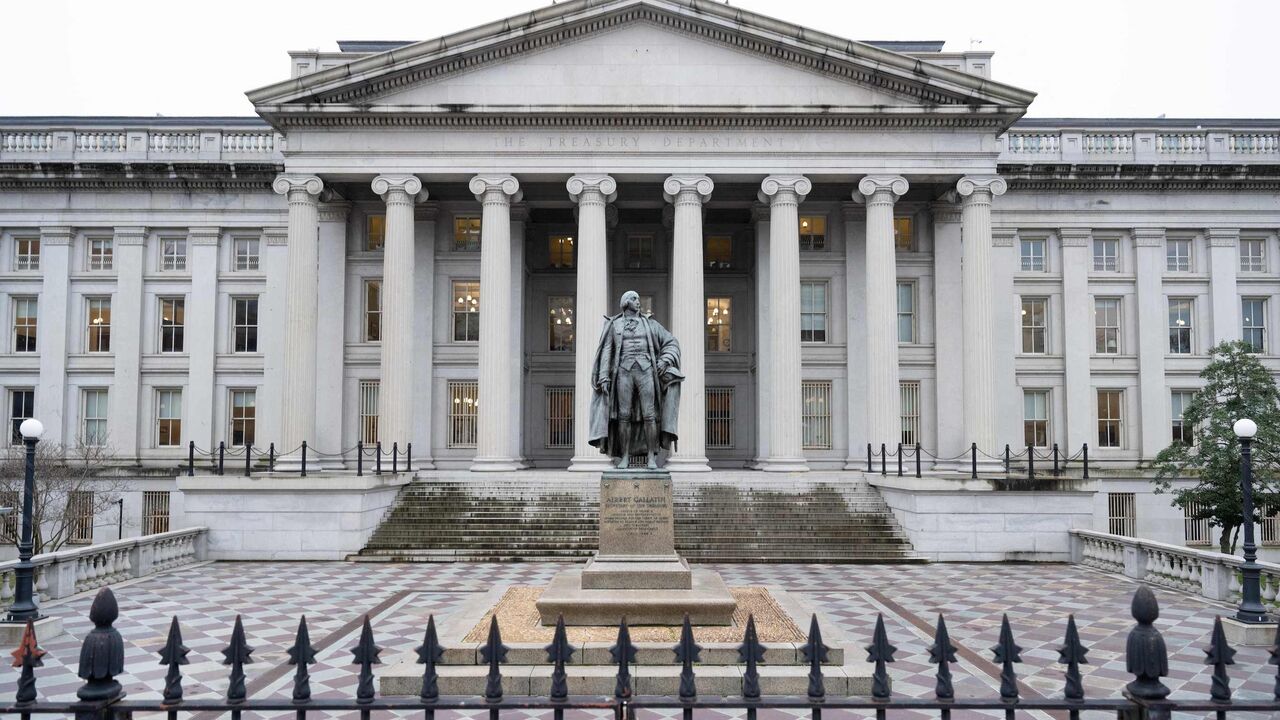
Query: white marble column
x,y
330,346
53,310
593,193
1153,340
853,219
516,370
1078,338
395,389
760,216
200,336
493,446
126,343
1224,263
884,395
688,315
980,402
784,193
298,401
271,331
948,313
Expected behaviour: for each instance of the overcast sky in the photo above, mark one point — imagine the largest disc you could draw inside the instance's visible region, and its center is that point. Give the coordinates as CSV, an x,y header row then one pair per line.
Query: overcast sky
x,y
1085,58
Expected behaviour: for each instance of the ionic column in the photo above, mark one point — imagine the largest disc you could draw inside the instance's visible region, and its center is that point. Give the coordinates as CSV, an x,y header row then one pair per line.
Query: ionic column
x,y
493,447
784,193
331,269
126,341
593,193
979,331
298,400
948,337
884,396
688,312
395,389
760,216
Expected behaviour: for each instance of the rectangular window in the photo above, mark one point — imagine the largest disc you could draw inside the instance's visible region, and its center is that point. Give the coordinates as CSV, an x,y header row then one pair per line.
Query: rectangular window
x,y
466,233
902,236
1178,402
173,254
1035,316
79,517
93,425
813,232
1109,418
1035,418
1253,318
1120,514
719,417
244,312
101,253
22,405
910,392
1270,524
1032,254
466,311
815,418
375,235
464,403
1177,253
372,310
247,254
813,311
369,411
1106,325
1196,530
719,327
639,252
1180,324
560,323
155,512
559,417
172,324
244,417
560,250
25,312
98,315
168,418
719,252
1253,255
1106,254
906,312
26,253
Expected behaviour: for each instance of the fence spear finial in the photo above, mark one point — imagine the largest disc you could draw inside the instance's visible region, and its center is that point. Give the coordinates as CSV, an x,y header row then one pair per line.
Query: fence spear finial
x,y
623,653
1007,653
880,651
687,652
1145,654
942,653
236,654
815,653
1072,654
102,652
28,656
173,654
301,655
751,652
494,653
559,652
430,653
1219,654
365,654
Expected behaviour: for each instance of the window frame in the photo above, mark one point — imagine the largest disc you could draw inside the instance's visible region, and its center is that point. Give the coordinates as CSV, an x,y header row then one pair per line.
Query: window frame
x,y
467,245
251,332
1258,263
252,261
912,315
1028,324
80,522
1118,420
177,330
29,393
824,314
28,261
1176,262
1258,326
1027,262
910,244
368,410
724,264
99,400
167,423
820,436
644,260
156,514
557,303
458,393
1102,332
1104,262
248,421
1039,427
559,426
102,261
557,243
909,418
719,424
1188,330
453,312
1179,431
371,318
722,329
811,241
174,262
370,220
32,342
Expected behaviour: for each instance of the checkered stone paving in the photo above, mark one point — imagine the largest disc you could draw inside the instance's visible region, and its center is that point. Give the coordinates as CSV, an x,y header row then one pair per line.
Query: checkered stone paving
x,y
270,597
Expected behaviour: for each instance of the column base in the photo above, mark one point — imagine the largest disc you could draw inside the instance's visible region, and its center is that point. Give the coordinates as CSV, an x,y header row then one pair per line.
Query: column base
x,y
781,464
495,464
590,463
687,464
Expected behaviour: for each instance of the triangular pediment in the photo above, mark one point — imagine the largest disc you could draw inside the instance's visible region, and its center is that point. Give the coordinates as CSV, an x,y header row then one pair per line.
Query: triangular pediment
x,y
640,56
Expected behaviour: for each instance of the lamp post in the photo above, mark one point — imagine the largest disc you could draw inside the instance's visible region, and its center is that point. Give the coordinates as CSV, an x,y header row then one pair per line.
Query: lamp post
x,y
1251,609
24,606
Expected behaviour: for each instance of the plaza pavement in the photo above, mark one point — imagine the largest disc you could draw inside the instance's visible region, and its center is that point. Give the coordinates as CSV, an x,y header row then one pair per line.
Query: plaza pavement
x,y
334,596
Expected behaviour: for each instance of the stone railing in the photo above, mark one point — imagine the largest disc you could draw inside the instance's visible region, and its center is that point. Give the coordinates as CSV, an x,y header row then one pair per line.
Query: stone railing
x,y
131,144
1142,147
1209,574
67,572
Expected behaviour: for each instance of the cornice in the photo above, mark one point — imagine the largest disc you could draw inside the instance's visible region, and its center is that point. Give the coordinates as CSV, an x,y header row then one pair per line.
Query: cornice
x,y
1148,237
204,235
1156,186
56,235
177,184
1223,237
815,118
1003,237
1075,236
276,236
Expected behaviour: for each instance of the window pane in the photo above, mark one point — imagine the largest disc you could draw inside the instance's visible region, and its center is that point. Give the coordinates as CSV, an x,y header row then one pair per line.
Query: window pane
x,y
1180,326
243,416
464,407
1253,317
466,233
25,310
816,414
813,232
902,239
99,321
639,251
719,327
1032,255
560,249
560,327
372,310
376,234
466,311
719,252
559,417
813,312
906,312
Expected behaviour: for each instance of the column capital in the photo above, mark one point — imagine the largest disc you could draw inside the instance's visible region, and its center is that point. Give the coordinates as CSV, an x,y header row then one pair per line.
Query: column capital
x,y
55,235
1148,237
782,188
989,185
696,186
887,187
387,186
495,188
1075,236
583,187
1223,237
287,183
204,235
131,235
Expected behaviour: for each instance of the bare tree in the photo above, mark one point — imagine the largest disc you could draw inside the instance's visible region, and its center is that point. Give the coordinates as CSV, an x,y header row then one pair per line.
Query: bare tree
x,y
72,487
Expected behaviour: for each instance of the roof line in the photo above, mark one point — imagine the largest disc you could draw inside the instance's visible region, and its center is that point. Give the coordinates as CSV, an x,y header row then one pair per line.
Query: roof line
x,y
1132,122
236,120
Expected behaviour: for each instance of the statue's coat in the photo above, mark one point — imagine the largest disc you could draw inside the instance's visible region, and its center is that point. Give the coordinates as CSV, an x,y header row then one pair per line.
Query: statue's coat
x,y
604,432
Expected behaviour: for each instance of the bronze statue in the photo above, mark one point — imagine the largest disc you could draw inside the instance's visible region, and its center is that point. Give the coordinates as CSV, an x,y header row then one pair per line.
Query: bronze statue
x,y
636,381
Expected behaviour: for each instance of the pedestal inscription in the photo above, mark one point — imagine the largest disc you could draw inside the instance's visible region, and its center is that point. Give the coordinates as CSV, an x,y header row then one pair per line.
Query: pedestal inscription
x,y
636,516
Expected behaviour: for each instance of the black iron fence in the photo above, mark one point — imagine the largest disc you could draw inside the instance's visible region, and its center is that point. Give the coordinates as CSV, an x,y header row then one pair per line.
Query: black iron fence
x,y
246,459
904,459
1144,698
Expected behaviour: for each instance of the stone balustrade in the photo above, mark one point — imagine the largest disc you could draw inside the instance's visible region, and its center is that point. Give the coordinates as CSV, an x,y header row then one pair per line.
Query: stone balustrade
x,y
67,572
126,144
1206,573
1140,146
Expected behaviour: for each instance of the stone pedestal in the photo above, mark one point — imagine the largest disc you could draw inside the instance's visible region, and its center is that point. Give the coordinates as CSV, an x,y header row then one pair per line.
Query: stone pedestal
x,y
1249,634
47,628
636,573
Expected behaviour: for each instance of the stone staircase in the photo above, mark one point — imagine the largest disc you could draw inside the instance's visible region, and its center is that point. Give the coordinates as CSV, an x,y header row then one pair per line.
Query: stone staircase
x,y
724,517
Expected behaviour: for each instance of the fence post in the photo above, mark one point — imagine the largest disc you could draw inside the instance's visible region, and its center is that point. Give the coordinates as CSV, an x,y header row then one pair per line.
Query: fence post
x,y
1006,458
271,457
973,460
1031,462
1086,461
360,458
222,450
917,459
868,457
408,457
883,461
1056,471
191,458
395,451
304,458
377,459
248,457
899,459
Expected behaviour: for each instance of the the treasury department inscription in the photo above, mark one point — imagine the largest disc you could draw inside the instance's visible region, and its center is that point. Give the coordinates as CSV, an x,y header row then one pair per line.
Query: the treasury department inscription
x,y
643,142
636,516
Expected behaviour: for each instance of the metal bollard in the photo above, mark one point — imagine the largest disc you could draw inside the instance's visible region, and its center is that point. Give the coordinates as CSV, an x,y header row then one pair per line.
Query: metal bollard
x,y
1006,458
377,459
408,457
304,458
222,450
868,457
1056,470
883,460
899,459
973,460
271,458
1031,462
248,457
1086,460
395,451
359,458
191,458
917,459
